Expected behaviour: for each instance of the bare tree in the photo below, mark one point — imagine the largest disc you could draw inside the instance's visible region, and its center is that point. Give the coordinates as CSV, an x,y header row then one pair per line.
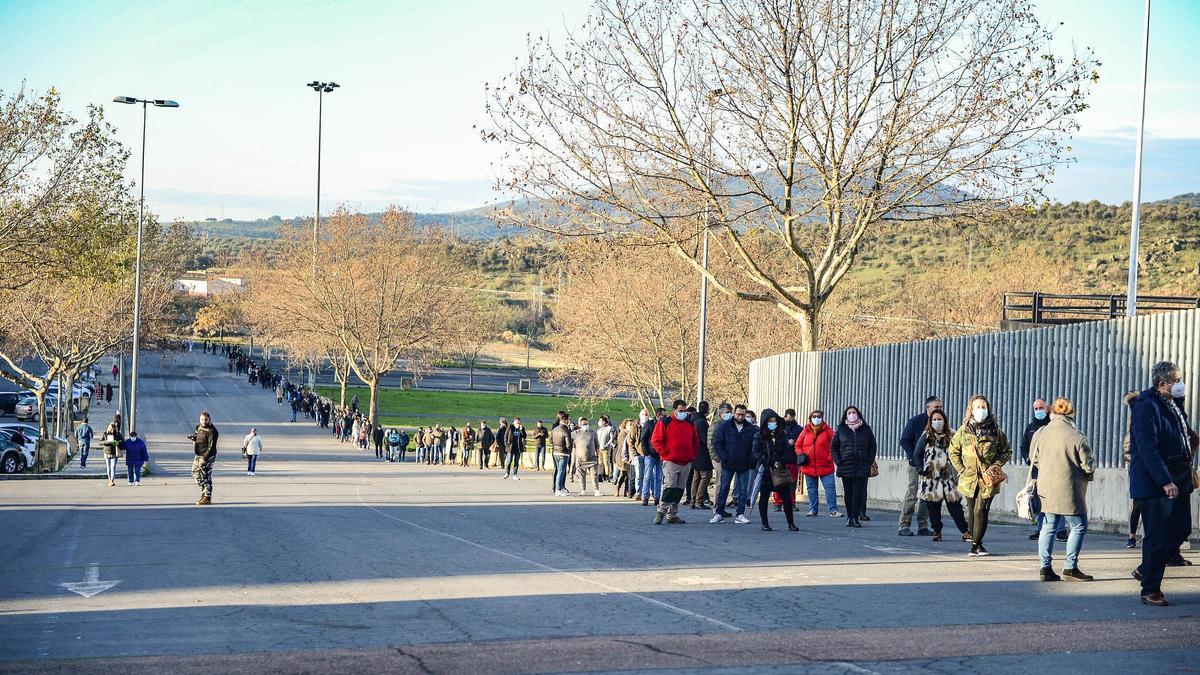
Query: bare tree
x,y
809,121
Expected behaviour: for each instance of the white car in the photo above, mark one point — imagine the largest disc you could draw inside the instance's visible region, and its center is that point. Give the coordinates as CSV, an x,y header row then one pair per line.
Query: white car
x,y
14,458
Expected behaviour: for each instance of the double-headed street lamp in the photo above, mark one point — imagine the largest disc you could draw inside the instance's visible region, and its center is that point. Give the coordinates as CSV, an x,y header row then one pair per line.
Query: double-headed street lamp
x,y
321,88
137,268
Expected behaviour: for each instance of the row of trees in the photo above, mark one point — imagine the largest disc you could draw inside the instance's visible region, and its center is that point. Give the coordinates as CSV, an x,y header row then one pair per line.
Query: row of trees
x,y
68,224
367,298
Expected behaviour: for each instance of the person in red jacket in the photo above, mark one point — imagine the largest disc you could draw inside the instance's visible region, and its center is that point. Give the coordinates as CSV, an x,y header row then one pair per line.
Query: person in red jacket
x,y
677,442
814,442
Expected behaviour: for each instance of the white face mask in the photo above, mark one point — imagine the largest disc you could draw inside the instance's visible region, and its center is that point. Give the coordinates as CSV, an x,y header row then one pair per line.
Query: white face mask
x,y
938,425
583,426
980,414
817,421
1178,389
681,415
643,417
852,417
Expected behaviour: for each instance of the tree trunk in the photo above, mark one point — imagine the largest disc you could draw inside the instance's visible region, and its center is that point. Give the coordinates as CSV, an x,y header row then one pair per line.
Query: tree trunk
x,y
373,408
809,329
471,377
41,413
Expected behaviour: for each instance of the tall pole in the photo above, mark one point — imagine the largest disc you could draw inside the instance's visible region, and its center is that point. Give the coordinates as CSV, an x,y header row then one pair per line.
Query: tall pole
x,y
1135,226
703,316
137,284
317,218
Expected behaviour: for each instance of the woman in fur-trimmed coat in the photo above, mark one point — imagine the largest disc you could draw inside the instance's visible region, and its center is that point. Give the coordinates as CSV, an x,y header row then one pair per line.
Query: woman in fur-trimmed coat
x,y
938,482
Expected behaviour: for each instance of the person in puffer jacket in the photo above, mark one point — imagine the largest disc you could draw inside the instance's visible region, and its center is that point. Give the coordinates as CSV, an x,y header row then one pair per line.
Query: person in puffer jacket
x,y
813,443
676,441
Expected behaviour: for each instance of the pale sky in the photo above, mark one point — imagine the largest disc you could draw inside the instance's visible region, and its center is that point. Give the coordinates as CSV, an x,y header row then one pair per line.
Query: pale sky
x,y
399,130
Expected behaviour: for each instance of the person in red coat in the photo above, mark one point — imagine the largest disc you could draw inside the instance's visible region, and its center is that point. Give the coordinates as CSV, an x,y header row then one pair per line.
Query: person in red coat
x,y
677,442
814,442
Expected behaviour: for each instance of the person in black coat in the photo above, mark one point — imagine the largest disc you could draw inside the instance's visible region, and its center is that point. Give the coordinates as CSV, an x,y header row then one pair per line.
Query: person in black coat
x,y
702,467
734,444
486,440
772,450
908,441
652,471
854,449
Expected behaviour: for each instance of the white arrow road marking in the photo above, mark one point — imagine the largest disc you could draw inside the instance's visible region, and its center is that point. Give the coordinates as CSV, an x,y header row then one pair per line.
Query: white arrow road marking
x,y
91,584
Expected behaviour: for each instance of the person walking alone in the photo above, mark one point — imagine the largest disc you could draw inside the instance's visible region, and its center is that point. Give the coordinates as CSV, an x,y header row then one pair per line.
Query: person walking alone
x,y
1063,458
83,439
252,444
204,446
854,449
677,442
977,446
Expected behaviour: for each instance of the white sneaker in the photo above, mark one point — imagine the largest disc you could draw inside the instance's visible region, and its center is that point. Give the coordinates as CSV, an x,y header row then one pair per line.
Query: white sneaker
x,y
717,519
516,478
741,519
596,493
253,473
506,476
131,482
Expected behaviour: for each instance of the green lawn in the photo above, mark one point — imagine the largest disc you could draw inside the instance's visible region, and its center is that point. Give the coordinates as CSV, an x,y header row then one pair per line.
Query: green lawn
x,y
423,408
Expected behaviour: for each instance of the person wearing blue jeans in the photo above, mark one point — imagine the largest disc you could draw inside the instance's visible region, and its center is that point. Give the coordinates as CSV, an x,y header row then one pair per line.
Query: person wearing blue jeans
x,y
829,483
740,482
651,479
1051,525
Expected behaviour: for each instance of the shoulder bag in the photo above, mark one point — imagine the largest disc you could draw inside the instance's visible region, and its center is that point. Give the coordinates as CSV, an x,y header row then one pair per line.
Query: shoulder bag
x,y
781,478
994,476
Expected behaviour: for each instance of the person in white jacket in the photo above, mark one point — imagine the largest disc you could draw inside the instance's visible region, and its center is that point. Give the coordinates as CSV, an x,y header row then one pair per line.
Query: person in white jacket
x,y
252,446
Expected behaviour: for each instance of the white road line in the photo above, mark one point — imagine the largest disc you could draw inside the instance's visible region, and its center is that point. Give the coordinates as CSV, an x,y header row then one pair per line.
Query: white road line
x,y
606,587
47,636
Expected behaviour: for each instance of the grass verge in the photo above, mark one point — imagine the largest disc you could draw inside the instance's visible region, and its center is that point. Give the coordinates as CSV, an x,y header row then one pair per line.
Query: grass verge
x,y
423,408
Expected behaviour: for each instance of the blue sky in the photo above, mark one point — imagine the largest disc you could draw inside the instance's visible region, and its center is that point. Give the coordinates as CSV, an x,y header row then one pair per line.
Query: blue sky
x,y
400,129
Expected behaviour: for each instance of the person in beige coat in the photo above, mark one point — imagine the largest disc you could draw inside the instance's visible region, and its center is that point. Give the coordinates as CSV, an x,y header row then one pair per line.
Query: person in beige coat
x,y
1065,466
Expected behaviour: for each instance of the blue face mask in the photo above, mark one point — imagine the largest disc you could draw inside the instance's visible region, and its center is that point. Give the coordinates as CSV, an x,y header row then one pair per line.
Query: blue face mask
x,y
727,416
771,426
1039,414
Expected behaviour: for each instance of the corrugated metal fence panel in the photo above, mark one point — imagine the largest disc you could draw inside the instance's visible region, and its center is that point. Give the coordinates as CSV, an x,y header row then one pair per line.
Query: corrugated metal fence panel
x,y
1093,364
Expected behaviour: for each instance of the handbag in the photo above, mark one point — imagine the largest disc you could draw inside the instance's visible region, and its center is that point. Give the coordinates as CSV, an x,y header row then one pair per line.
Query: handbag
x,y
781,478
994,476
874,469
802,459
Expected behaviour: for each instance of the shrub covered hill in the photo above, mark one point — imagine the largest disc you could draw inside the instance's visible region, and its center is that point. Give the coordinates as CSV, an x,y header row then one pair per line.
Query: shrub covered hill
x,y
1075,247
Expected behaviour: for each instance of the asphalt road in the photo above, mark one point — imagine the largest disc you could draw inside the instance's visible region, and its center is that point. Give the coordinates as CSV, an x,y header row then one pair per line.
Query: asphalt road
x,y
330,561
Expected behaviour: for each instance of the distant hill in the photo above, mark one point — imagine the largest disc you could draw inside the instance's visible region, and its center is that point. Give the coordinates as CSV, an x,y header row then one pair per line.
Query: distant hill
x,y
478,224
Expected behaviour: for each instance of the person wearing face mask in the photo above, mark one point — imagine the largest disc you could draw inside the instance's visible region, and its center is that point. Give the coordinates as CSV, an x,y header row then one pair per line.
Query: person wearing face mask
x,y
724,414
932,461
677,442
652,463
622,460
775,455
1063,458
814,444
1160,475
585,455
638,468
607,438
978,445
702,467
854,450
734,445
1041,417
908,442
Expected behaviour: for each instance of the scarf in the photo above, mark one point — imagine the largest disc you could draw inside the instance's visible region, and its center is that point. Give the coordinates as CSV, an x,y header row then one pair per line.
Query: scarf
x,y
855,425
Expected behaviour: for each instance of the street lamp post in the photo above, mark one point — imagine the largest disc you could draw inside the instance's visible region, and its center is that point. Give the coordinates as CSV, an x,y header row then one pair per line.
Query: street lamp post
x,y
321,88
1135,225
137,266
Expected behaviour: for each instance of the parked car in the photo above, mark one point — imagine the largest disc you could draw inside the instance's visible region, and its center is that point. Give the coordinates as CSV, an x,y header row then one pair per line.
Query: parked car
x,y
9,433
27,408
14,458
8,402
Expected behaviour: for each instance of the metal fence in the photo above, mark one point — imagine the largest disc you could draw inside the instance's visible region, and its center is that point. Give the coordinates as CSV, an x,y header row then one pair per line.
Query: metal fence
x,y
1093,364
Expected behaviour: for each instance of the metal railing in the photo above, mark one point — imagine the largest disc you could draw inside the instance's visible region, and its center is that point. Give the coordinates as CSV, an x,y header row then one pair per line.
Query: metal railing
x,y
1052,308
